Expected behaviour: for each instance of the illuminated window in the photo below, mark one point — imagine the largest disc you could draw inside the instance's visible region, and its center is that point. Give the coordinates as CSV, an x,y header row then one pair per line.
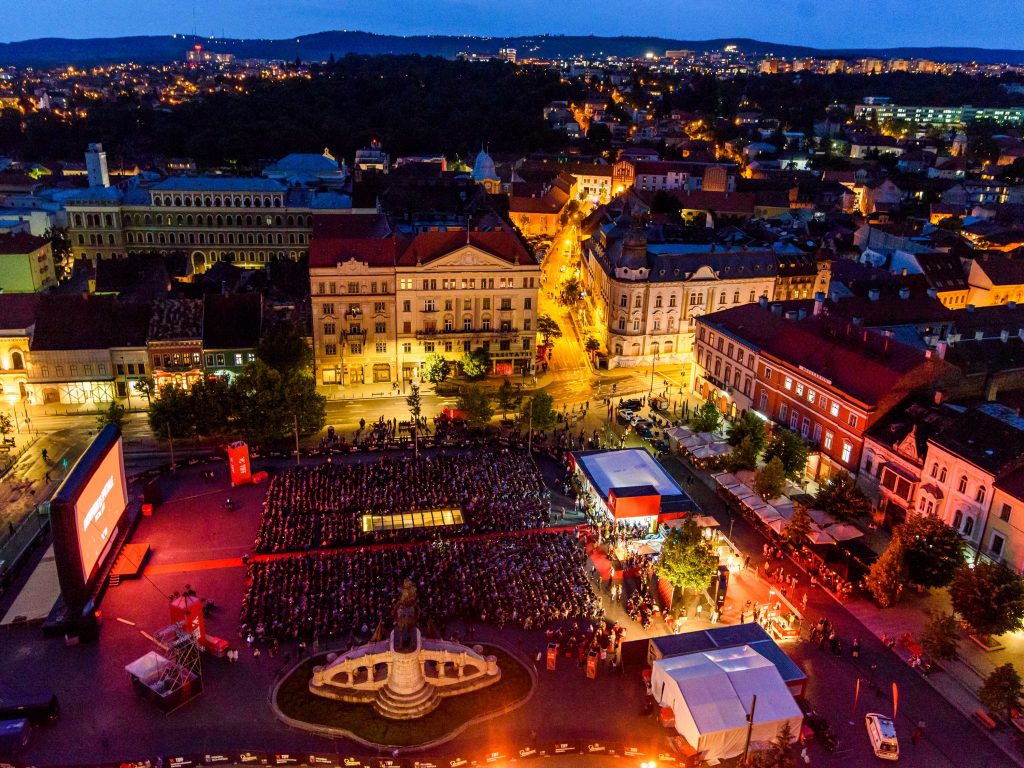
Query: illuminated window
x,y
419,519
788,383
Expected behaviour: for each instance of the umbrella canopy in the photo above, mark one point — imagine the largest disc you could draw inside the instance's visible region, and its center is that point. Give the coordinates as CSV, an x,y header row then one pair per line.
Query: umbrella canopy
x,y
726,479
818,536
649,548
778,524
742,493
821,517
844,532
706,521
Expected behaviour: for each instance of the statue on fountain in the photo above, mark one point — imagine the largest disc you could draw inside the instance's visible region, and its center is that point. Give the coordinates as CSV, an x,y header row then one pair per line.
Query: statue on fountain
x,y
406,618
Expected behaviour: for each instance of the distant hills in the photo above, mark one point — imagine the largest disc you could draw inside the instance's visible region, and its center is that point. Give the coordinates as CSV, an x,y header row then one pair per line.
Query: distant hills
x,y
53,51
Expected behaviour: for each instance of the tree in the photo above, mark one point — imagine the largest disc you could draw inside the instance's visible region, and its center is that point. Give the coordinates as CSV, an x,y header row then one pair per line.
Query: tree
x,y
989,597
284,349
791,450
147,387
778,753
1001,690
268,403
941,636
748,426
476,364
538,412
592,346
548,329
841,497
211,406
413,401
886,576
706,418
743,456
6,425
770,479
687,559
475,402
795,531
570,292
436,368
114,414
509,398
170,414
933,550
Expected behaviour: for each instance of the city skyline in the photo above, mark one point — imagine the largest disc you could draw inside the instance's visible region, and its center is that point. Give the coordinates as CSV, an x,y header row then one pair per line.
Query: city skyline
x,y
844,24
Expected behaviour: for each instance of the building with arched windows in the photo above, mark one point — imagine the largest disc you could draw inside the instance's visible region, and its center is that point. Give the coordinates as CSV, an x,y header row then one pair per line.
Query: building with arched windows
x,y
17,321
245,221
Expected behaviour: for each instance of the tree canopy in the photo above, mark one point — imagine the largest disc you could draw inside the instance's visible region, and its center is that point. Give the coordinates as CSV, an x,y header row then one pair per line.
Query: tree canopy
x,y
538,412
749,427
436,368
886,576
989,597
770,479
933,551
509,398
284,349
1001,690
687,559
475,364
548,329
706,417
841,497
475,401
791,450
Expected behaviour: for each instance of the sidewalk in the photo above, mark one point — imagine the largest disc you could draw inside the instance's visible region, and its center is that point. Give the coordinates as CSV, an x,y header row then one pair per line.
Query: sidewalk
x,y
957,681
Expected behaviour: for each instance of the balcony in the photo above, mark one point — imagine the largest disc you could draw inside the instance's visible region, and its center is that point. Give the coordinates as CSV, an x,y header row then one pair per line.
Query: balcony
x,y
472,332
357,334
353,313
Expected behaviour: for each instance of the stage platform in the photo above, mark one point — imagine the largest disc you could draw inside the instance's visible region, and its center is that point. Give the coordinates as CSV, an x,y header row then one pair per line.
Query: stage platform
x,y
129,563
37,598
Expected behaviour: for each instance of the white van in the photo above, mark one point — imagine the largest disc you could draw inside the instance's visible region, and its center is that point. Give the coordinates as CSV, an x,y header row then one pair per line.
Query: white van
x,y
882,733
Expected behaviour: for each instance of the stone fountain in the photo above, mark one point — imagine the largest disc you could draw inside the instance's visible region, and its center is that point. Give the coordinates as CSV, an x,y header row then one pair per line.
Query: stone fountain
x,y
406,675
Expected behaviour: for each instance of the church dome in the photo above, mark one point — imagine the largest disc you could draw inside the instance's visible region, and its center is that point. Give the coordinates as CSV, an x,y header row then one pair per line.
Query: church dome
x,y
483,167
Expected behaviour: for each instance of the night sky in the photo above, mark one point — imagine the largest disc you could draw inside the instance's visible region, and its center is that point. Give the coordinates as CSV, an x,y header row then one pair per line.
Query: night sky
x,y
821,23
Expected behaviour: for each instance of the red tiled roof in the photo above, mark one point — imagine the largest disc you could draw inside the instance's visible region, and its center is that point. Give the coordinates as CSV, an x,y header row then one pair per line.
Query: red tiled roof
x,y
21,242
375,251
866,371
728,202
350,225
18,310
428,246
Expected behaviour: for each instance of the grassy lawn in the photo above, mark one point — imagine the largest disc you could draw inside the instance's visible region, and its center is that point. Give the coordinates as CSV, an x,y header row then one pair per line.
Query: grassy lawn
x,y
295,701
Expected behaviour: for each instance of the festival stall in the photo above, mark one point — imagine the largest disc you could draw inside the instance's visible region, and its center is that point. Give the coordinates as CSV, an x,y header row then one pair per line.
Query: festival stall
x,y
710,695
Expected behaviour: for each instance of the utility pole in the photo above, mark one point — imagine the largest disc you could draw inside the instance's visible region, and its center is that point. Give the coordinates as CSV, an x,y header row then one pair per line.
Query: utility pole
x,y
170,443
750,726
295,421
529,436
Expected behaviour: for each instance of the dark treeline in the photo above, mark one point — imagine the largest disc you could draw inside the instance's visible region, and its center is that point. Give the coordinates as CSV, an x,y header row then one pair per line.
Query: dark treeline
x,y
412,104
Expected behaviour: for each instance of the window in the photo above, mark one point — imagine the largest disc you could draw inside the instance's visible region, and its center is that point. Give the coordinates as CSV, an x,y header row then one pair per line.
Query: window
x,y
486,303
767,374
942,475
852,420
506,304
527,303
794,420
353,287
356,349
330,349
657,302
810,396
847,451
997,544
800,390
250,357
382,347
238,358
429,305
827,444
763,402
736,297
623,300
788,383
805,427
407,307
935,469
962,485
447,305
834,409
407,348
637,301
1004,513
980,495
405,283
220,358
783,411
958,519
969,526
380,327
209,359
120,369
329,329
378,307
816,434
527,324
328,309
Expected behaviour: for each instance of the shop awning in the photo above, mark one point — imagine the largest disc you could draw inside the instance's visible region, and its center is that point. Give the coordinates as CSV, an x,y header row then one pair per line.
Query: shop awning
x,y
844,532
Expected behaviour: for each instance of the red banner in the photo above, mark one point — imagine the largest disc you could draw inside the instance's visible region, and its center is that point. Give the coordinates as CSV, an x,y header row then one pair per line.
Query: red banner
x,y
238,463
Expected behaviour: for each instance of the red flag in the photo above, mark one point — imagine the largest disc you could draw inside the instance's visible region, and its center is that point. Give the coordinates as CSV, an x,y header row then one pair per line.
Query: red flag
x,y
856,695
895,700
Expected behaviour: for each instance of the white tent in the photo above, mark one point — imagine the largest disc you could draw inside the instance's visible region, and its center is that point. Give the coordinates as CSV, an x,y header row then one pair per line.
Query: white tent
x,y
710,695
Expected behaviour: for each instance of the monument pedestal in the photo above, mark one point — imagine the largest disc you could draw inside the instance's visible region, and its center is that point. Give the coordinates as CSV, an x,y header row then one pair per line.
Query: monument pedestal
x,y
406,695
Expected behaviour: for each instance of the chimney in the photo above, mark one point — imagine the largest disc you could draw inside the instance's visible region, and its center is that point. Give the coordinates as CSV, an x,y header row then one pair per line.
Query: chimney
x,y
940,351
927,352
979,335
791,314
970,307
801,314
763,302
1011,305
940,396
777,309
874,294
904,293
857,321
1004,336
932,293
819,303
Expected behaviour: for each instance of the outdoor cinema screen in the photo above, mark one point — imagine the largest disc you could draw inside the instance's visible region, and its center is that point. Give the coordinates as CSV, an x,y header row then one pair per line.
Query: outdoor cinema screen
x,y
99,507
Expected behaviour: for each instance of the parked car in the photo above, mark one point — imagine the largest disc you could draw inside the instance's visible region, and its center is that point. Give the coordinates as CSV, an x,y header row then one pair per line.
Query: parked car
x,y
882,733
14,735
37,708
633,404
645,432
624,418
660,446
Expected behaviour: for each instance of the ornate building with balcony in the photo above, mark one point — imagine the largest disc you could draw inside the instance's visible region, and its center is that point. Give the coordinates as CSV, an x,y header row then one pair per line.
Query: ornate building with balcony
x,y
646,293
384,299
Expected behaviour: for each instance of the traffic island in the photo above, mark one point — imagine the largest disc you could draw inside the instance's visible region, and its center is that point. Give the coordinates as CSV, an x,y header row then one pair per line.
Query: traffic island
x,y
295,705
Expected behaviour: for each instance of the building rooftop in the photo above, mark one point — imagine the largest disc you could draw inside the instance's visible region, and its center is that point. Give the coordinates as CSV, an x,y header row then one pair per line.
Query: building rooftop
x,y
20,243
232,321
862,364
918,415
17,311
74,321
176,319
503,244
217,184
990,436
